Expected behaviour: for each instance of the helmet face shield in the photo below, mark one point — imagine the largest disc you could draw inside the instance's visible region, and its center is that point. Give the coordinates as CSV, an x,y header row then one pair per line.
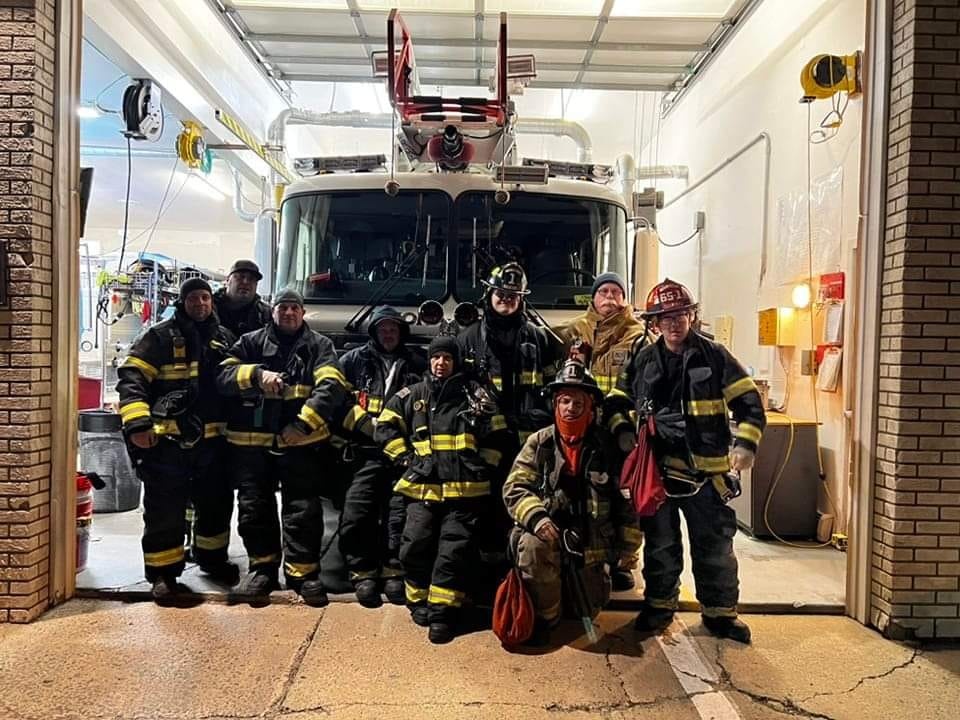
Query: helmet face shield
x,y
509,278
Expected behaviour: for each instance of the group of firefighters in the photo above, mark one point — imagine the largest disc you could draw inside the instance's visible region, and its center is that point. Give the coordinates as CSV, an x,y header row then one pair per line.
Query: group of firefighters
x,y
501,445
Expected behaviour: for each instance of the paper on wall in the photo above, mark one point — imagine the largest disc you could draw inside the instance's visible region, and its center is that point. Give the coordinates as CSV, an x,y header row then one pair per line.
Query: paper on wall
x,y
828,375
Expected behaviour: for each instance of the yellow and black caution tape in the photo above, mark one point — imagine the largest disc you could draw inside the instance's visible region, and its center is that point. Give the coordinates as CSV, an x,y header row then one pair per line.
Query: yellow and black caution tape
x,y
251,142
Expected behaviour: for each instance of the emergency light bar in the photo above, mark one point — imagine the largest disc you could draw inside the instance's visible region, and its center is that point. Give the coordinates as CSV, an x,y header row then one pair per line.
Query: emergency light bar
x,y
529,174
342,163
585,171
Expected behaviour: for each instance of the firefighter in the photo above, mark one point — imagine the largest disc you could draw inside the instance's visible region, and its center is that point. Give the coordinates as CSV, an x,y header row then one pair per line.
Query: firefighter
x,y
690,385
611,334
434,430
238,306
289,395
512,356
173,422
372,521
564,481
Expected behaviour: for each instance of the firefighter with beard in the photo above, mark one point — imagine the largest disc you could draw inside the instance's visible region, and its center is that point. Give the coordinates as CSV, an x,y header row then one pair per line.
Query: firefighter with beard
x,y
373,514
435,431
564,480
238,306
690,385
173,422
609,334
511,356
288,396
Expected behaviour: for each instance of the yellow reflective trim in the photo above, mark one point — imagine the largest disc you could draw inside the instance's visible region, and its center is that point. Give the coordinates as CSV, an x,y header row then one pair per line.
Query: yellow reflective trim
x,y
490,456
706,407
414,593
329,372
250,439
748,431
527,507
727,612
318,435
148,370
164,557
531,378
299,570
422,447
618,393
738,388
445,596
253,560
395,448
179,371
363,575
419,491
593,556
389,416
312,418
215,542
374,405
676,463
179,351
231,361
710,463
297,392
389,572
497,382
630,534
353,416
245,376
498,422
212,430
606,382
166,427
134,411
616,420
463,441
465,489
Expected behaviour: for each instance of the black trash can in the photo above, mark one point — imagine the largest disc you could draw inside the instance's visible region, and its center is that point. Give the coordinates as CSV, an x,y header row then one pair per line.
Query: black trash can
x,y
102,451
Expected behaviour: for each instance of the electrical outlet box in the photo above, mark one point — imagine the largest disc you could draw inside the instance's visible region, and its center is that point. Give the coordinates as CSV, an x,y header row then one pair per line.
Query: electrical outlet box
x,y
808,362
699,220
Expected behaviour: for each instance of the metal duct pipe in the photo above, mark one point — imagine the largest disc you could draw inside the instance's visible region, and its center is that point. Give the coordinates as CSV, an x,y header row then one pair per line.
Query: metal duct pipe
x,y
625,170
650,172
528,126
238,208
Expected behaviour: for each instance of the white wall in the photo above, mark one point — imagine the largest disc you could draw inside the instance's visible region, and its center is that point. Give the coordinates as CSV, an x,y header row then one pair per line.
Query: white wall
x,y
754,87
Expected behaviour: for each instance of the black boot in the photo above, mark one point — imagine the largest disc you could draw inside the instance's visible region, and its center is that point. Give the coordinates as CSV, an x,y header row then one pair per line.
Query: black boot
x,y
728,627
394,590
223,572
440,633
313,593
653,620
420,615
165,591
368,593
622,580
540,637
259,583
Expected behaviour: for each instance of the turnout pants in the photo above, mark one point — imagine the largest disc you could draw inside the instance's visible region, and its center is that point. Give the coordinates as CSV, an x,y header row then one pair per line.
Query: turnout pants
x,y
711,525
438,552
173,477
540,566
372,523
299,474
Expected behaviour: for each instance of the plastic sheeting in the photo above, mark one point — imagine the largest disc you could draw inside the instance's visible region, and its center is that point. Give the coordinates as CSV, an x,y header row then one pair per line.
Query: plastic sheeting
x,y
824,247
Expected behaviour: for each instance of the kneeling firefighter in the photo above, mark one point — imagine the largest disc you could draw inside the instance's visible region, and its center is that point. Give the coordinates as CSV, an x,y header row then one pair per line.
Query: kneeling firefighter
x,y
288,396
373,515
690,385
435,430
173,421
564,496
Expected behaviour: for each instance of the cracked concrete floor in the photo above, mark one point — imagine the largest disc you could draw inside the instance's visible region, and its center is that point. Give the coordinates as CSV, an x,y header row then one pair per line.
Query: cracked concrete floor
x,y
97,659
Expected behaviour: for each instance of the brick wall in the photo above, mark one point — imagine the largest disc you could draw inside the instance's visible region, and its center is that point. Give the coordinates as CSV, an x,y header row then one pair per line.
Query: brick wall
x,y
916,555
27,44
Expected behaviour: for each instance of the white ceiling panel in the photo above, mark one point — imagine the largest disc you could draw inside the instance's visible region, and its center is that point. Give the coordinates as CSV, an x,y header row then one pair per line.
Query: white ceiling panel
x,y
459,6
556,76
627,78
246,5
672,8
422,25
530,27
617,57
545,7
438,54
658,30
543,56
301,22
286,49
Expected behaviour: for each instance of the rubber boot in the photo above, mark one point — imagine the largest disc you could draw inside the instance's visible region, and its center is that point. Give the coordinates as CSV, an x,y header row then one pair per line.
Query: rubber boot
x,y
728,627
540,637
368,593
165,591
440,633
394,590
653,620
313,593
259,583
420,615
622,580
224,572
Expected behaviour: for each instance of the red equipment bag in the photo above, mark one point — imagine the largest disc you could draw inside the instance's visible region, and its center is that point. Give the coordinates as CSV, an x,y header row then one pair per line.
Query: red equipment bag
x,y
641,475
513,611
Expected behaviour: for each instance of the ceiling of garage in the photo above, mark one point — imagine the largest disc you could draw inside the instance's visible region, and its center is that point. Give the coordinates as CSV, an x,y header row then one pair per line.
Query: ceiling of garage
x,y
652,45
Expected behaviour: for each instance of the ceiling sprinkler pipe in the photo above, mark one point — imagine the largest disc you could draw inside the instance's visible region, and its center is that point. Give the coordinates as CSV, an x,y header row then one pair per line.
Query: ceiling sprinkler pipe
x,y
238,208
649,172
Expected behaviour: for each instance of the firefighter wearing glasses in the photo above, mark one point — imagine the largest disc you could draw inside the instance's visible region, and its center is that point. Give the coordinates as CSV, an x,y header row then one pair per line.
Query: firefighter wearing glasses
x,y
564,481
513,357
373,515
435,430
288,396
690,385
173,423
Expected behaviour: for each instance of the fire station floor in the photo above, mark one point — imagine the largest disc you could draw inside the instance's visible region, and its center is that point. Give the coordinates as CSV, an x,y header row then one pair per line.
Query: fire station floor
x,y
773,577
135,661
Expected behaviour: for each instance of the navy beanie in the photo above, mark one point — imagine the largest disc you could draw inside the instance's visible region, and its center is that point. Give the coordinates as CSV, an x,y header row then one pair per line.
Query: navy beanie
x,y
608,277
194,283
447,344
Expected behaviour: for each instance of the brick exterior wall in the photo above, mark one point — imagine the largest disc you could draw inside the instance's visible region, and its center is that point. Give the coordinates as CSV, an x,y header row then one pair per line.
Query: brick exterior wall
x,y
27,51
916,553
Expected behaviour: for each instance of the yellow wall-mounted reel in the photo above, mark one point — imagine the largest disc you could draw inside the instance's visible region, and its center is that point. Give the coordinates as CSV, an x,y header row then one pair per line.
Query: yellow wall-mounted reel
x,y
826,75
192,149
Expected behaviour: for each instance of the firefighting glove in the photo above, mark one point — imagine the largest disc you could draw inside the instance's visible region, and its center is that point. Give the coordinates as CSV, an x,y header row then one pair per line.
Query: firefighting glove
x,y
670,426
741,458
626,440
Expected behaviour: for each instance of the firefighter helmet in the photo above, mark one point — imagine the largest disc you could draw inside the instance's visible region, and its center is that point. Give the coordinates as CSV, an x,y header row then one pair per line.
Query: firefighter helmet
x,y
574,374
509,278
668,296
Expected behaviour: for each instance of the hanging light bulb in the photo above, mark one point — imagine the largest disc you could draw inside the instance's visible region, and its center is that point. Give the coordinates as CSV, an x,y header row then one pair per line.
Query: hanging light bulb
x,y
801,296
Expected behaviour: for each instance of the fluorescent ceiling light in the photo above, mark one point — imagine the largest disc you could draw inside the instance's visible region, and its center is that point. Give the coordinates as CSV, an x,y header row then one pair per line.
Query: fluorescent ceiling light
x,y
87,112
672,8
294,4
589,8
454,6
